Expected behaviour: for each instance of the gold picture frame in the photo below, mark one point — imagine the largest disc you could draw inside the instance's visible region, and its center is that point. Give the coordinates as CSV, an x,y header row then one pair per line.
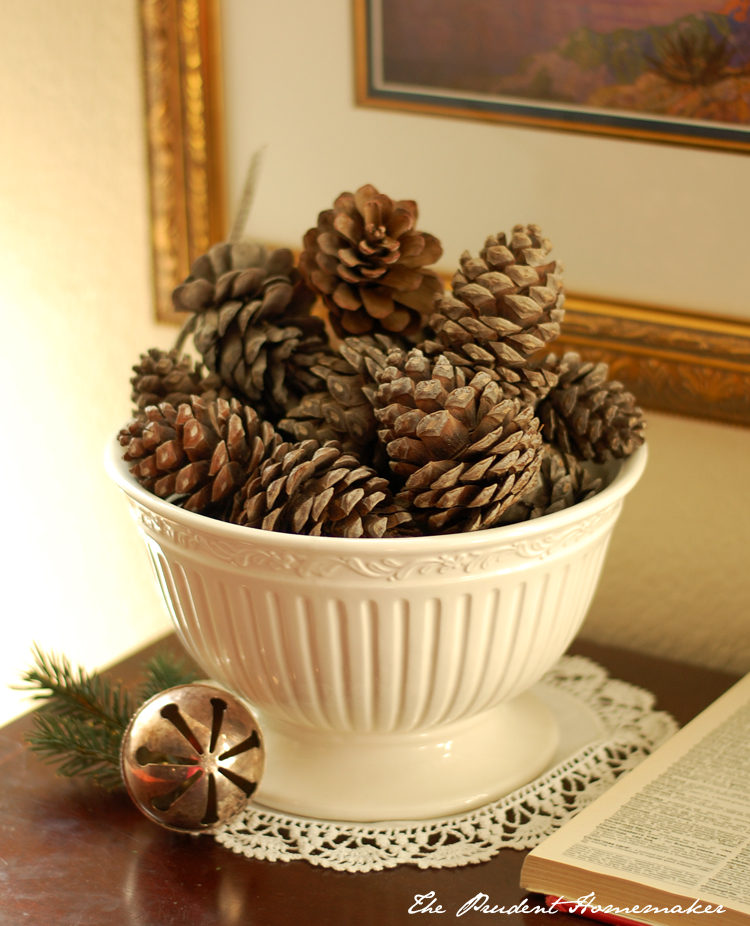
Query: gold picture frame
x,y
185,137
674,361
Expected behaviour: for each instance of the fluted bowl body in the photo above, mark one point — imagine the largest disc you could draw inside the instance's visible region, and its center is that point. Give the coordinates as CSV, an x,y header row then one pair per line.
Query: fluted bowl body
x,y
372,635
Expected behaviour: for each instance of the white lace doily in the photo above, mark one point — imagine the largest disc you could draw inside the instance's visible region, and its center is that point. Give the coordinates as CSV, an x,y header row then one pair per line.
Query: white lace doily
x,y
631,731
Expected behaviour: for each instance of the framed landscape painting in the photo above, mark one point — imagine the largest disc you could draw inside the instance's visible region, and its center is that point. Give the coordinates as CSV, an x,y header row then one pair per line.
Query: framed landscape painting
x,y
663,70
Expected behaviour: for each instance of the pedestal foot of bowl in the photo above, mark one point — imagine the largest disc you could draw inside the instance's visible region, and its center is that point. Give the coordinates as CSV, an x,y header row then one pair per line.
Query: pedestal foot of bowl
x,y
407,776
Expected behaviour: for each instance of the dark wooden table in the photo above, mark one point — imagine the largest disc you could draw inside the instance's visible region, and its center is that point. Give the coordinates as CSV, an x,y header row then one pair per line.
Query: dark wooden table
x,y
71,855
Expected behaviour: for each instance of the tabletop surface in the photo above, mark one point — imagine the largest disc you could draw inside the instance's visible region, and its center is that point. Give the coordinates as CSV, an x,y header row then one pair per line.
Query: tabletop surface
x,y
72,855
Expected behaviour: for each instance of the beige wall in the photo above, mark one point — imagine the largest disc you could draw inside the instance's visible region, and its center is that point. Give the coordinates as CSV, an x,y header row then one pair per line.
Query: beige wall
x,y
676,581
76,310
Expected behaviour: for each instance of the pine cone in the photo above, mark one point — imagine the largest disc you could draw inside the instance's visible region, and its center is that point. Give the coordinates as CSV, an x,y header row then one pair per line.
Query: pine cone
x,y
562,481
164,376
367,261
588,416
253,325
343,412
306,488
310,421
213,387
347,411
529,383
469,454
506,304
405,370
202,451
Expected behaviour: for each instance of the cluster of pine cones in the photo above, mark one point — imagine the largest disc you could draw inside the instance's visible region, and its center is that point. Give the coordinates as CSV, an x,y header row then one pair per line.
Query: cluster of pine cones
x,y
434,413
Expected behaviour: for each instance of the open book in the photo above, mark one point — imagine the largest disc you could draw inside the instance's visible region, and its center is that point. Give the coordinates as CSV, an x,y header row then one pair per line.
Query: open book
x,y
674,832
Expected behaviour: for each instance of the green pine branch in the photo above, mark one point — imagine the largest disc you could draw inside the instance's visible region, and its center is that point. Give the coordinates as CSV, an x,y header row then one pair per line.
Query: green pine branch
x,y
78,748
82,718
76,694
161,672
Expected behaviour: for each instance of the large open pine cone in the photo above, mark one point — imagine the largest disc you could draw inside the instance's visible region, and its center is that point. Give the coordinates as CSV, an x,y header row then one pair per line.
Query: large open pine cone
x,y
253,324
506,304
588,415
203,451
320,490
468,454
368,262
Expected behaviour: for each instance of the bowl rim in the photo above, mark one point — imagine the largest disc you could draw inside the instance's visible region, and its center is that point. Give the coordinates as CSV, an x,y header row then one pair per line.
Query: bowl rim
x,y
627,475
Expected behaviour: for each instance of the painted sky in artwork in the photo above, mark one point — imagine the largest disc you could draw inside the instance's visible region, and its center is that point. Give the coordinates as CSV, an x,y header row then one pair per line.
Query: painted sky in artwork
x,y
673,57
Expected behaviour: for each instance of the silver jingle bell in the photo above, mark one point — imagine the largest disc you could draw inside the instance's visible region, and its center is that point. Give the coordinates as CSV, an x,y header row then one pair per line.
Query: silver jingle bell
x,y
192,756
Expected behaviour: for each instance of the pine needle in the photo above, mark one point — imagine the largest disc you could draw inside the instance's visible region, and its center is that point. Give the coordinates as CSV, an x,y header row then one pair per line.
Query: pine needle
x,y
76,694
80,749
162,672
248,195
82,718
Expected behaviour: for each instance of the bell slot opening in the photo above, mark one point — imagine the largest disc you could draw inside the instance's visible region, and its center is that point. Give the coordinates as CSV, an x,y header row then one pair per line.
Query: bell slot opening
x,y
146,756
219,707
171,712
164,801
211,815
252,742
242,783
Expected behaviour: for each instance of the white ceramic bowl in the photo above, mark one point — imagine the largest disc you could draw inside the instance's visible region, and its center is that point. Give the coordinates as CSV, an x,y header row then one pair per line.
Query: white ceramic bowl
x,y
390,677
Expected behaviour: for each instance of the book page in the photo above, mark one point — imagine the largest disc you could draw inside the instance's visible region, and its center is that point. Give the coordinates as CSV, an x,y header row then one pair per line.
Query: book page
x,y
681,820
